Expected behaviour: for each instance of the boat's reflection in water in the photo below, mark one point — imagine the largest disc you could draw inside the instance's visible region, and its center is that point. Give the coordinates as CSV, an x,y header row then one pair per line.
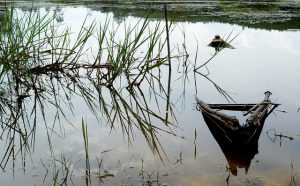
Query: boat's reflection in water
x,y
239,143
239,151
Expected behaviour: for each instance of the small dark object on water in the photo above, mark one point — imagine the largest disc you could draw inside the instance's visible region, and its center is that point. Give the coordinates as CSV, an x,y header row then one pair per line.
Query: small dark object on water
x,y
218,43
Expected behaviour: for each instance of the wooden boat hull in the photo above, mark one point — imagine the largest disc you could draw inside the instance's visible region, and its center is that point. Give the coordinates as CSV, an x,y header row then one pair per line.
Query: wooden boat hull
x,y
239,143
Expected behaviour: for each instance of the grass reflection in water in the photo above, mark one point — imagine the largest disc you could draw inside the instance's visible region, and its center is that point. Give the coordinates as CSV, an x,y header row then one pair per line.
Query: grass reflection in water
x,y
44,66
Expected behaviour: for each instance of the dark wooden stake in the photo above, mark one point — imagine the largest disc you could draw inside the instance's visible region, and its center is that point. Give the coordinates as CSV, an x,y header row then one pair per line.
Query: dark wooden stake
x,y
170,66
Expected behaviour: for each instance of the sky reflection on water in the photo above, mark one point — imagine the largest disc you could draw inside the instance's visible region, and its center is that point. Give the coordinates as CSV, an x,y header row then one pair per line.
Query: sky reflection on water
x,y
263,60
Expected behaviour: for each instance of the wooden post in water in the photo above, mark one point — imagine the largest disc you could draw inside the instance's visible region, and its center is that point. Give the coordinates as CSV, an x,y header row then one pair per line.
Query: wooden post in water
x,y
170,66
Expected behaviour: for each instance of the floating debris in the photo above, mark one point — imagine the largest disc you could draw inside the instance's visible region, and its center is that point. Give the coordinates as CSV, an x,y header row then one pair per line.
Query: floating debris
x,y
218,43
280,136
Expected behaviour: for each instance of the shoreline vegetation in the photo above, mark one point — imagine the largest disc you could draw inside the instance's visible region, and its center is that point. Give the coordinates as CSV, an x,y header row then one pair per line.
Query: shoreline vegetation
x,y
269,15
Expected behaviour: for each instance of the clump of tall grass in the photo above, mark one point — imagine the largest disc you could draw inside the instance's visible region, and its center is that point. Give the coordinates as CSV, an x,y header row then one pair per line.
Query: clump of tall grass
x,y
42,67
33,57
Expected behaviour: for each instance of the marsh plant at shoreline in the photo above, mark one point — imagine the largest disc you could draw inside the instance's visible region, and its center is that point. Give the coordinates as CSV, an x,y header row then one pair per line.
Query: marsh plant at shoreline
x,y
43,65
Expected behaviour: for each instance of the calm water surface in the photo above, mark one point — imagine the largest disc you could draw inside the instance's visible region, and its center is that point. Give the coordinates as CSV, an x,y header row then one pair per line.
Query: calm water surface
x,y
263,60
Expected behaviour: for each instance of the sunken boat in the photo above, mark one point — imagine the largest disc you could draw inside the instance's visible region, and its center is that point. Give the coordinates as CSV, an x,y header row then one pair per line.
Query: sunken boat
x,y
239,142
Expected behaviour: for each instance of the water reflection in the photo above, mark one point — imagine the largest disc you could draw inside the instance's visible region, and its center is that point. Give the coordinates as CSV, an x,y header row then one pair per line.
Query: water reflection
x,y
257,64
